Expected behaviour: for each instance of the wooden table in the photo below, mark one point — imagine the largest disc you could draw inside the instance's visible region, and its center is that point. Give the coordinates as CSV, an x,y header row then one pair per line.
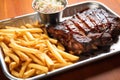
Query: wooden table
x,y
105,69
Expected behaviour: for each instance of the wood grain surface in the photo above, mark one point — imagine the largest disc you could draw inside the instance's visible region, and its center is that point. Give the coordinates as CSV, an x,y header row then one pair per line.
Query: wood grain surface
x,y
105,69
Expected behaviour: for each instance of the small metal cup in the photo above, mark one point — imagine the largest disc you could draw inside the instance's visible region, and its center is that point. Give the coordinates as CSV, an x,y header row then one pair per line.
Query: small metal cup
x,y
50,18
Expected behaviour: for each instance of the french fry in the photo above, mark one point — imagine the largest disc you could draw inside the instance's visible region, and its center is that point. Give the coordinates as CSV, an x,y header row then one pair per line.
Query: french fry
x,y
59,65
1,38
15,73
12,65
49,62
39,67
54,41
44,36
35,59
7,59
23,27
26,43
24,66
39,72
22,48
6,34
37,24
55,53
29,35
29,73
21,30
25,38
10,27
60,46
29,51
9,53
40,57
6,38
36,35
67,55
22,55
42,47
29,26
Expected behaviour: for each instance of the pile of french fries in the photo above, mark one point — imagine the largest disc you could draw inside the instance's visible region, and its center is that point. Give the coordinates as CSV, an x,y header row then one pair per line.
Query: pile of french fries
x,y
29,51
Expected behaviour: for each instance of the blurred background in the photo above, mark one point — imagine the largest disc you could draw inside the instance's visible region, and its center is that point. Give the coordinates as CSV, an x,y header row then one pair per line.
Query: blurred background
x,y
12,8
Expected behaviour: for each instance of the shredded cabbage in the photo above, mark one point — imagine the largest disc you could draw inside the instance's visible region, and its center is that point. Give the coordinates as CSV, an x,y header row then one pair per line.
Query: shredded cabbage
x,y
49,6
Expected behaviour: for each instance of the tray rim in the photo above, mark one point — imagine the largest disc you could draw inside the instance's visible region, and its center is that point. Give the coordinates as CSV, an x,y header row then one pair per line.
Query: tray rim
x,y
83,62
98,2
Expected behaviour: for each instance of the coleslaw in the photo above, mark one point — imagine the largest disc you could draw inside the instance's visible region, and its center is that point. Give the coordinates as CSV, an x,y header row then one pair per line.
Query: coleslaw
x,y
48,6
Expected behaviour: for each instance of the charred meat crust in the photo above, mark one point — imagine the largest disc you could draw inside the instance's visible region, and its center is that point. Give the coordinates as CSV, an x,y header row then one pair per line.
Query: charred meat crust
x,y
87,30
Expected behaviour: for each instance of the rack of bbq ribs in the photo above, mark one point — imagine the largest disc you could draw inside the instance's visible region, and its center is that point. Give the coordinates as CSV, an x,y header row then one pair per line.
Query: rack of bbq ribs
x,y
87,30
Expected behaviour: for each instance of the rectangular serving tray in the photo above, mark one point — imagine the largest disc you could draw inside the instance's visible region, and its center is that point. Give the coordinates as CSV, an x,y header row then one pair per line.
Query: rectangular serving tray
x,y
68,12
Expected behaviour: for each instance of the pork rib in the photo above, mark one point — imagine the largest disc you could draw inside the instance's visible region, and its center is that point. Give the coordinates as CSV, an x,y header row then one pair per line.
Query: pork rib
x,y
87,30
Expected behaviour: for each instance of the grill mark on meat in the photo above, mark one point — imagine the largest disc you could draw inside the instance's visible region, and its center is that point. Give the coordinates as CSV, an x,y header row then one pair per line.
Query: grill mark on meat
x,y
87,14
102,19
81,24
107,14
93,18
101,16
110,20
90,20
72,27
87,21
77,24
108,17
64,24
99,27
96,13
61,27
78,28
98,18
79,17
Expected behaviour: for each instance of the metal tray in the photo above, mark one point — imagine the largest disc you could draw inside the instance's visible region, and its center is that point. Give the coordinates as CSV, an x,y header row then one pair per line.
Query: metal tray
x,y
68,12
